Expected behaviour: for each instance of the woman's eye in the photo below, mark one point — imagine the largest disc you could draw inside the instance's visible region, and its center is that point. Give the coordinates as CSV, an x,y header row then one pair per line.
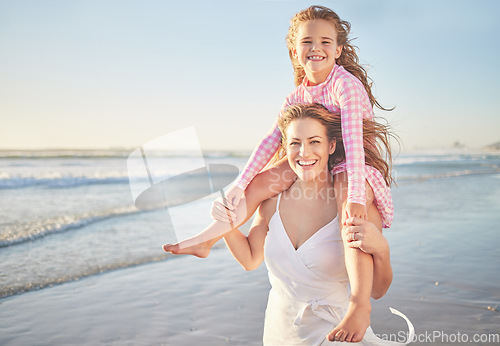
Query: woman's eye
x,y
314,142
294,143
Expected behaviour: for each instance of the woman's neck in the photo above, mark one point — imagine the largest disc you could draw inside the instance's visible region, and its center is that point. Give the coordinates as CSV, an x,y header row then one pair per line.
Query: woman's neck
x,y
322,186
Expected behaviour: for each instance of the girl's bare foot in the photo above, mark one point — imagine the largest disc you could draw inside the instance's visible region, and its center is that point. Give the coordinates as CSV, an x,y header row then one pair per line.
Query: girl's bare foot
x,y
184,248
353,326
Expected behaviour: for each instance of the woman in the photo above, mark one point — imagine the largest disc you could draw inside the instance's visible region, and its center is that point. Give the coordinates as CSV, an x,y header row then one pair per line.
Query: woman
x,y
297,233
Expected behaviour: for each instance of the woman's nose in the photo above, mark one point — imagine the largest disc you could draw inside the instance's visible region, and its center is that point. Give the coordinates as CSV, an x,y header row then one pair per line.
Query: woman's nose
x,y
304,148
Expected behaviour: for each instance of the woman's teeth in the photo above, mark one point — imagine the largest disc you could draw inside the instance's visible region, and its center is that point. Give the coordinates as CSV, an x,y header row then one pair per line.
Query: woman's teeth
x,y
307,163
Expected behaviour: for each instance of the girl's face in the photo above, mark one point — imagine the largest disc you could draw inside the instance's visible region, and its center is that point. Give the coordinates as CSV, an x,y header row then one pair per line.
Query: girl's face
x,y
316,49
308,148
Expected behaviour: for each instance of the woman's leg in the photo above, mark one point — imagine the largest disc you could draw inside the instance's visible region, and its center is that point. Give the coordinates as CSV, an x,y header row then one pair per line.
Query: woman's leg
x,y
265,185
359,267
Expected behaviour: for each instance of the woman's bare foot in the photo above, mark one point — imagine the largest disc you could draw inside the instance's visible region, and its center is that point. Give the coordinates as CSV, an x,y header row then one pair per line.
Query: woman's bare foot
x,y
353,326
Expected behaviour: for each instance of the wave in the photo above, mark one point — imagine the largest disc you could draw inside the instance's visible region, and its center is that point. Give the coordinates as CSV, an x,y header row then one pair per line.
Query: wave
x,y
7,182
446,175
109,153
440,157
22,287
22,232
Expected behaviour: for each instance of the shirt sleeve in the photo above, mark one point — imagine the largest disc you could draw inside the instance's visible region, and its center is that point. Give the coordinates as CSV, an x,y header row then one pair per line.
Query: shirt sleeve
x,y
260,156
263,153
351,113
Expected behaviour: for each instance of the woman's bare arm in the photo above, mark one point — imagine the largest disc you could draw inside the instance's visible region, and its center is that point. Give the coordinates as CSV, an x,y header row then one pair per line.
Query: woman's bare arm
x,y
249,250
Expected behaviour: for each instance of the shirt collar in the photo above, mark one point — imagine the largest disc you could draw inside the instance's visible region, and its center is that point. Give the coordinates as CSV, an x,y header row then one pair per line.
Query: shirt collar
x,y
313,88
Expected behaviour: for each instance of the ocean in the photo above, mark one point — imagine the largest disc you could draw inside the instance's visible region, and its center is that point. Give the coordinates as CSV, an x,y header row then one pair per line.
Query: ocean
x,y
66,215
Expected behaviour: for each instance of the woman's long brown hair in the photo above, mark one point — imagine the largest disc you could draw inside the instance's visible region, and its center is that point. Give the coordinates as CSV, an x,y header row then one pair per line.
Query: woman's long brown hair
x,y
376,137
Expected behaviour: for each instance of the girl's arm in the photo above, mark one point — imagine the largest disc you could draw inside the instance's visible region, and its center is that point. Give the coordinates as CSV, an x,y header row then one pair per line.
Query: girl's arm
x,y
258,160
249,250
260,157
353,103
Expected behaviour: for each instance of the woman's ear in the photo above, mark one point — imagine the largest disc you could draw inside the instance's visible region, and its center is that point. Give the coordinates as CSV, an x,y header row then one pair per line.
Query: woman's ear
x,y
332,147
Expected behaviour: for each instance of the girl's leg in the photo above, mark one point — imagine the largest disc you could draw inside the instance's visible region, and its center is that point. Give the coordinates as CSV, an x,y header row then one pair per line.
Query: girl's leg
x,y
359,267
265,185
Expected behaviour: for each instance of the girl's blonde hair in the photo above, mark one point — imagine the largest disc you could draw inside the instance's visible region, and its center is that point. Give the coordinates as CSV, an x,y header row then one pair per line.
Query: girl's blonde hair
x,y
348,58
376,137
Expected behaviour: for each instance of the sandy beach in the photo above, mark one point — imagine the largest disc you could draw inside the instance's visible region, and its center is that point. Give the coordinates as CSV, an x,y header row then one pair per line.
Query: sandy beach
x,y
191,301
183,301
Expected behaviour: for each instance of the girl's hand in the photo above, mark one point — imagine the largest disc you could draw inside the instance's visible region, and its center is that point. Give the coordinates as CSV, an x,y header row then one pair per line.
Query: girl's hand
x,y
364,235
355,210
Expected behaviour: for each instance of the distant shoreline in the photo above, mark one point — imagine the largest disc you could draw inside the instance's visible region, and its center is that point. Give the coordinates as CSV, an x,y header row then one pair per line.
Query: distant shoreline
x,y
125,152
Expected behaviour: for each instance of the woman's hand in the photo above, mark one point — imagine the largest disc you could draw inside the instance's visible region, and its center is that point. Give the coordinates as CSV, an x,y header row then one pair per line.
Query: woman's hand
x,y
221,213
364,235
223,210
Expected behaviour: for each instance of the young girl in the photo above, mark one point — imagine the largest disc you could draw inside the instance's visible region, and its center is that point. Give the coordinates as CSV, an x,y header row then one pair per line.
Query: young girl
x,y
327,72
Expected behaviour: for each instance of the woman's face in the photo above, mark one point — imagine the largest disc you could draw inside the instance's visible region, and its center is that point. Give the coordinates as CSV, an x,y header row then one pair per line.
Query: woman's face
x,y
308,148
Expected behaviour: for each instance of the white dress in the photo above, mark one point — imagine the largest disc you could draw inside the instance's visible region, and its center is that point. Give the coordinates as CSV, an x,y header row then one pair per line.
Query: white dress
x,y
309,287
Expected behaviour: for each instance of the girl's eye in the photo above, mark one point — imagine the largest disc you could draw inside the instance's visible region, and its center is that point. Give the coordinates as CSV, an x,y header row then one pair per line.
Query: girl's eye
x,y
314,142
294,143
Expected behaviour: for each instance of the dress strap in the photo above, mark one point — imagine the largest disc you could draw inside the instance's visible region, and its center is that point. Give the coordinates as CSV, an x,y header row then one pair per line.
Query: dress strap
x,y
278,203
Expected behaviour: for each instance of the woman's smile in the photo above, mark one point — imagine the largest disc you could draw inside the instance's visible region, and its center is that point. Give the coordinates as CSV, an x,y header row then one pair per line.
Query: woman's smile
x,y
306,164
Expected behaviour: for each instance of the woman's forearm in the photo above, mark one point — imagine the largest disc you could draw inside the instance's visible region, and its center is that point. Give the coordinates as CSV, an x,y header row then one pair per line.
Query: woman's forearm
x,y
240,248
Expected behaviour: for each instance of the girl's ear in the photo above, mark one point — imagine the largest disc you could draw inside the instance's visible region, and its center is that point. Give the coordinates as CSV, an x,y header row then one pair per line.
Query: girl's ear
x,y
294,53
338,52
332,147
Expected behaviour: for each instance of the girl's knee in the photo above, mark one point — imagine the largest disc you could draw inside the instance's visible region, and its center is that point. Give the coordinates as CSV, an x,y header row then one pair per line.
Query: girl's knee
x,y
272,181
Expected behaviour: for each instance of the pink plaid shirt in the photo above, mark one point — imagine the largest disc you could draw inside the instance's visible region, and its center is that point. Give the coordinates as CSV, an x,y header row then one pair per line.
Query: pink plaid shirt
x,y
342,93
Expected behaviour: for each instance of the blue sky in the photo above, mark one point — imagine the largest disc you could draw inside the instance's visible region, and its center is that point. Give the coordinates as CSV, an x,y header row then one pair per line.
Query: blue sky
x,y
100,74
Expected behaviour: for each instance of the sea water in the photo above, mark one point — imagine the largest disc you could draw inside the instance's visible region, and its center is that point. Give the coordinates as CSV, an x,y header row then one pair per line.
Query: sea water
x,y
66,215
